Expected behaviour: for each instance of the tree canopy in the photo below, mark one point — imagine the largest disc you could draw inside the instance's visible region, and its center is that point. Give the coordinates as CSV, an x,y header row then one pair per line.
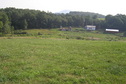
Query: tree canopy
x,y
4,23
35,19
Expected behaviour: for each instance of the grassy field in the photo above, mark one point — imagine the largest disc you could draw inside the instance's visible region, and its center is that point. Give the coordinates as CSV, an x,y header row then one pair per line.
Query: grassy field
x,y
42,56
62,61
76,33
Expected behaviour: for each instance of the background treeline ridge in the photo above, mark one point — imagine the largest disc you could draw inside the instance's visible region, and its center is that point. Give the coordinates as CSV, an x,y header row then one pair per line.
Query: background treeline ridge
x,y
14,19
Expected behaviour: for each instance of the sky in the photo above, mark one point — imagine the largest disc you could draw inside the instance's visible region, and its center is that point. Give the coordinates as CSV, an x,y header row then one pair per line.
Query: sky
x,y
104,7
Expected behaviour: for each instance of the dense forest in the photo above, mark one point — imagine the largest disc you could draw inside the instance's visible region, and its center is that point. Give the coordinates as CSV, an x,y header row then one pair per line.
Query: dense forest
x,y
86,14
13,19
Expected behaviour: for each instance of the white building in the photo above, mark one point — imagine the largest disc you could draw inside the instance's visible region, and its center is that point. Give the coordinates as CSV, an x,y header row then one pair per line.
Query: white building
x,y
90,27
112,30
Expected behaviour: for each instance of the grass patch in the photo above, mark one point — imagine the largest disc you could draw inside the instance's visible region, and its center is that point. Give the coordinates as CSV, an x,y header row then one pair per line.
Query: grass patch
x,y
61,61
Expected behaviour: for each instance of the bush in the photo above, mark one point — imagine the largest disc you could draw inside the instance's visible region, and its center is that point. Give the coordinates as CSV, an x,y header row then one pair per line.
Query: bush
x,y
23,33
18,32
79,38
39,33
1,34
67,37
124,34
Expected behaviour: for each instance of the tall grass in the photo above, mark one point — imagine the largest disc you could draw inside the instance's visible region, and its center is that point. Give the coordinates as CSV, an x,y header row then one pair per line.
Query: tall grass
x,y
76,33
60,61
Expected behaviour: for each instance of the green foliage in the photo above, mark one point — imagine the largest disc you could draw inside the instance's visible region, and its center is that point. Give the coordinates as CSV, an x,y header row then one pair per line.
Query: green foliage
x,y
94,15
124,34
35,19
5,27
39,33
1,26
12,30
24,24
117,22
76,33
28,19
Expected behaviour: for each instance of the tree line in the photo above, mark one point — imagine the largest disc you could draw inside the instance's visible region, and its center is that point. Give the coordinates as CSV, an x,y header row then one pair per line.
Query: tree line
x,y
14,19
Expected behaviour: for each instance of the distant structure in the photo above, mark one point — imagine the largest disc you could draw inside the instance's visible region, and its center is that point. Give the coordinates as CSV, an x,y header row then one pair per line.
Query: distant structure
x,y
112,30
65,29
90,27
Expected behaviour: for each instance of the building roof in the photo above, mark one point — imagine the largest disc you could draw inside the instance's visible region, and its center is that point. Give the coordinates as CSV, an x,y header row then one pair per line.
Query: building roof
x,y
91,26
112,30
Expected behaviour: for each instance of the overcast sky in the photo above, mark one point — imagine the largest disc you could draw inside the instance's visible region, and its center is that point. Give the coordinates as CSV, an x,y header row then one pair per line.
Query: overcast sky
x,y
98,6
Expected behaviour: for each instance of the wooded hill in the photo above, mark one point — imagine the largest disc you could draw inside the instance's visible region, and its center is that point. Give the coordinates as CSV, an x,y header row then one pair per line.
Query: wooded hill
x,y
86,14
14,19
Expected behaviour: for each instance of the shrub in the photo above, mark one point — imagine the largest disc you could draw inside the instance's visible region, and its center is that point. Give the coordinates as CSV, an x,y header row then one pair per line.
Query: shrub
x,y
18,32
39,33
79,38
124,34
1,34
23,33
67,37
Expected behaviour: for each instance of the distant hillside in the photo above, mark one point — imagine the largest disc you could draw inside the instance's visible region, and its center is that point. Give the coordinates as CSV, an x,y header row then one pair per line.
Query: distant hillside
x,y
63,11
86,14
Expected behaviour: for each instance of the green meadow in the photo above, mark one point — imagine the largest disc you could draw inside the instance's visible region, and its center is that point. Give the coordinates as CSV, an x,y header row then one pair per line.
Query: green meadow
x,y
76,33
59,57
